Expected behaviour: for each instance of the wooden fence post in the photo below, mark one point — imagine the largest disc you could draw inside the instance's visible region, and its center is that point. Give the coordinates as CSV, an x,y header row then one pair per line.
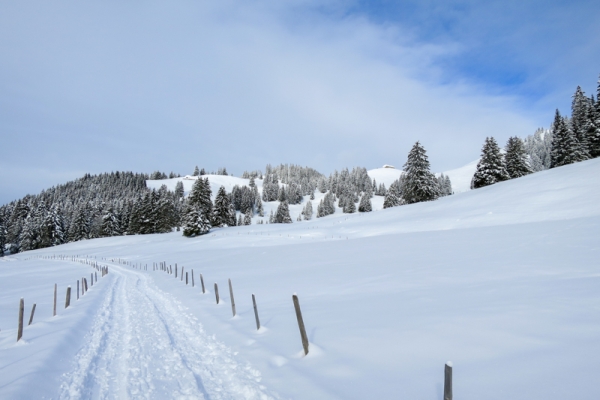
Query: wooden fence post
x,y
68,299
217,292
182,267
92,278
54,310
175,270
192,278
31,316
186,278
448,381
202,282
96,276
232,299
255,312
301,324
21,311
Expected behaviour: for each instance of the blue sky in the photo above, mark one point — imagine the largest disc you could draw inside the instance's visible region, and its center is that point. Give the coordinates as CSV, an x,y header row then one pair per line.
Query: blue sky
x,y
103,86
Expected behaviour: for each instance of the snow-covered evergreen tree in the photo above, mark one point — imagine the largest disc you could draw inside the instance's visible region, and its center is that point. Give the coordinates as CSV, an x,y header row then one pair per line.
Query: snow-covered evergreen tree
x,y
199,197
565,147
419,183
259,206
307,212
391,200
491,167
196,171
79,226
179,190
282,215
517,164
232,220
195,222
349,206
593,125
579,122
110,223
365,203
539,149
221,215
248,219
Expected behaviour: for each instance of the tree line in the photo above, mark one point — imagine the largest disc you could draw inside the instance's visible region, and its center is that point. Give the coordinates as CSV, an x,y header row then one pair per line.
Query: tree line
x,y
569,140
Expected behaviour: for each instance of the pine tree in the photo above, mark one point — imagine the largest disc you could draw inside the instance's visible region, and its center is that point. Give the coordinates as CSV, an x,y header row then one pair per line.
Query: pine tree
x,y
195,222
232,221
199,197
517,164
221,214
565,147
196,171
248,219
579,115
3,232
110,223
491,168
390,200
539,148
271,217
365,203
349,206
419,184
79,226
179,190
240,221
593,126
307,212
282,216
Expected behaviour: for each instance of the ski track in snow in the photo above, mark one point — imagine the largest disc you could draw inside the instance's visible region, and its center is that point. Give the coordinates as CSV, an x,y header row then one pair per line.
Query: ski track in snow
x,y
144,345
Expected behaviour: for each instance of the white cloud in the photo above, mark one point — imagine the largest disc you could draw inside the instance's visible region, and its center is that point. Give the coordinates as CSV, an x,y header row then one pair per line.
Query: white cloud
x,y
230,84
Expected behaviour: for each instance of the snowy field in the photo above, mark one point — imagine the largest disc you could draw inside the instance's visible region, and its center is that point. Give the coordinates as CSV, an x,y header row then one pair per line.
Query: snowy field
x,y
503,281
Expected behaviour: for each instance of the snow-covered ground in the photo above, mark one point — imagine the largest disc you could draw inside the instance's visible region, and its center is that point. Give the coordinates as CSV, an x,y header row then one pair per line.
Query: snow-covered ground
x,y
503,281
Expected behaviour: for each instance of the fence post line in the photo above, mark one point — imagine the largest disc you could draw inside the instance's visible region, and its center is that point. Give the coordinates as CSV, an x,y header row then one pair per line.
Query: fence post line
x,y
448,381
232,299
31,316
255,312
54,309
68,299
217,292
202,282
300,324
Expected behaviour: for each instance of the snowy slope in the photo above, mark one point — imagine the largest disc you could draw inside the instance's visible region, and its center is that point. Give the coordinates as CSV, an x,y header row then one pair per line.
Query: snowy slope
x,y
461,177
501,280
387,176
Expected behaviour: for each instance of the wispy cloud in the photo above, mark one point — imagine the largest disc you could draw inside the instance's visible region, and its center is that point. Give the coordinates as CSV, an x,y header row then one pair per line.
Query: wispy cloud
x,y
144,86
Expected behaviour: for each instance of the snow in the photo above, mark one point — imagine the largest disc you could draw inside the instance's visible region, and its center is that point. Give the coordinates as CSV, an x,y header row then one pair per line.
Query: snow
x,y
387,176
461,177
502,280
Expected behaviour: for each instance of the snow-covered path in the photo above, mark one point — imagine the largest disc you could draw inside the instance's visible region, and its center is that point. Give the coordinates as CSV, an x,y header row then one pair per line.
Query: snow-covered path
x,y
143,344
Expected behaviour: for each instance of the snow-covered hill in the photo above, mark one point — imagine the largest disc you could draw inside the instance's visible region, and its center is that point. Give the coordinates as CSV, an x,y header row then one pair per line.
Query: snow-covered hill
x,y
500,280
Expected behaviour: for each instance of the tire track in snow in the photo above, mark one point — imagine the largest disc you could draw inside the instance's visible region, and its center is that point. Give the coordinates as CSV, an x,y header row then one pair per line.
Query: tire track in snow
x,y
144,344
